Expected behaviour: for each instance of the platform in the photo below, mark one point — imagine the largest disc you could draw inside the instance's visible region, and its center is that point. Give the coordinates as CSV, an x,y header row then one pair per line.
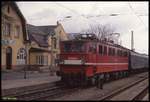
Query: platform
x,y
32,79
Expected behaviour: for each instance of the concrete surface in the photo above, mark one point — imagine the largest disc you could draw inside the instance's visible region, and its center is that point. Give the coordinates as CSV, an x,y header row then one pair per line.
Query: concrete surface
x,y
16,79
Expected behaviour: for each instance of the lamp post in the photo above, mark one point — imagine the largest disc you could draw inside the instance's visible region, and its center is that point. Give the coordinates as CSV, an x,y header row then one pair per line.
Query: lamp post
x,y
59,38
51,66
25,73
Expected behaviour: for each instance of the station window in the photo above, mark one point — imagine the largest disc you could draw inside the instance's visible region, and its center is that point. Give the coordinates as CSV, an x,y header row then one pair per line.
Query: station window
x,y
105,50
45,60
7,29
100,49
39,60
16,31
21,56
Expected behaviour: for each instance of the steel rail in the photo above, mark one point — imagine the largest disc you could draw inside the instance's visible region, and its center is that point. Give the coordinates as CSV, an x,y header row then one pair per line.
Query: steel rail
x,y
116,92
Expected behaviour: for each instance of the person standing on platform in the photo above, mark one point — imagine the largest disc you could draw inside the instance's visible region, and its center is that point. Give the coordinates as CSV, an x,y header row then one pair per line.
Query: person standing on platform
x,y
101,81
51,72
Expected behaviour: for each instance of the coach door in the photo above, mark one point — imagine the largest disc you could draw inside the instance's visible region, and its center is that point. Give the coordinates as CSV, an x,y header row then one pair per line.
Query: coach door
x,y
8,57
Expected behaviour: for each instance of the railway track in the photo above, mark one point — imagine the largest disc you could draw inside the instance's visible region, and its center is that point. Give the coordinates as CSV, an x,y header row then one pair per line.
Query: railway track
x,y
42,92
57,89
124,93
21,93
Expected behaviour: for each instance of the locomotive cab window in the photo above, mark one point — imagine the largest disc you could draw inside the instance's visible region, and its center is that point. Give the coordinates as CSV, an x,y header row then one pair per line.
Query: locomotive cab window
x,y
79,47
67,47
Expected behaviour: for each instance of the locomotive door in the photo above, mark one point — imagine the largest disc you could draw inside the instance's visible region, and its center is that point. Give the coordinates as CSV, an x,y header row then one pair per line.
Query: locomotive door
x,y
8,57
92,56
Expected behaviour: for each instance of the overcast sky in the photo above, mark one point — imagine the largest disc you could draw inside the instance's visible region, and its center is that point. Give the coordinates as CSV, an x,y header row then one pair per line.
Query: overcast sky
x,y
132,16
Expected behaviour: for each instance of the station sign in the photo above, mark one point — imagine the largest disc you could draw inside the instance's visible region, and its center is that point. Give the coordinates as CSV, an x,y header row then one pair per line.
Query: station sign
x,y
8,41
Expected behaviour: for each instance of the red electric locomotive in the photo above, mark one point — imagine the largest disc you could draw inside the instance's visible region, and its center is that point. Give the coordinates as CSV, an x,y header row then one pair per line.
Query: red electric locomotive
x,y
86,58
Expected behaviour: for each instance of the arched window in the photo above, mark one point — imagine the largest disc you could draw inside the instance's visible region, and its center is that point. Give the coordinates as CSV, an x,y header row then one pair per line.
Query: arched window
x,y
21,56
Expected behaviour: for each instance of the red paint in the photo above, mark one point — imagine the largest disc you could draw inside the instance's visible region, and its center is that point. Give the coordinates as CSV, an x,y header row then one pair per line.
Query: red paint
x,y
93,57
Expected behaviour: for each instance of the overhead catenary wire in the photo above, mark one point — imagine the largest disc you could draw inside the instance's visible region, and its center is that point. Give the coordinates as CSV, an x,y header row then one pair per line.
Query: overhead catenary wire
x,y
136,15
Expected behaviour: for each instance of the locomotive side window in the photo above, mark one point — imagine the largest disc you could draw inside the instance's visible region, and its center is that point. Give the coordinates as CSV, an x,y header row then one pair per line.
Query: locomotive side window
x,y
113,52
120,53
100,49
116,52
125,54
79,47
94,48
110,52
105,50
90,47
67,47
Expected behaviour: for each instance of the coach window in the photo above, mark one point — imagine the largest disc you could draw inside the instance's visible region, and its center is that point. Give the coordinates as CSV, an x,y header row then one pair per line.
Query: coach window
x,y
105,50
100,49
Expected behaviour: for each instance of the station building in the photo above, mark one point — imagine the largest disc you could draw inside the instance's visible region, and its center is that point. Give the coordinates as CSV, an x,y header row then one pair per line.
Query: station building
x,y
26,45
13,37
45,41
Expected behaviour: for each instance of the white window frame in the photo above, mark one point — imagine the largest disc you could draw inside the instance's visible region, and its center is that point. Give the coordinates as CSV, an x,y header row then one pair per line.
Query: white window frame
x,y
16,31
45,60
21,56
7,29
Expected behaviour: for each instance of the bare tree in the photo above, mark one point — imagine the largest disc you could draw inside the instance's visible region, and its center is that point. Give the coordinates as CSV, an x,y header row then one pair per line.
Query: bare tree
x,y
102,31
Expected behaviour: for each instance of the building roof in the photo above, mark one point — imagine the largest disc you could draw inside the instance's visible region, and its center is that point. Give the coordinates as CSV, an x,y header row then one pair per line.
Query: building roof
x,y
50,29
39,33
15,6
32,49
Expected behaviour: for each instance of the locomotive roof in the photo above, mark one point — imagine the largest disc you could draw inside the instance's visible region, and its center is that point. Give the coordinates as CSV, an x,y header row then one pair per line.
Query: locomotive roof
x,y
109,44
102,42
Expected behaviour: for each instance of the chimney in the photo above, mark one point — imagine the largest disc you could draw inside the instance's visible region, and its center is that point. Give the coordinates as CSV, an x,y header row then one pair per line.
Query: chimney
x,y
132,41
57,23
